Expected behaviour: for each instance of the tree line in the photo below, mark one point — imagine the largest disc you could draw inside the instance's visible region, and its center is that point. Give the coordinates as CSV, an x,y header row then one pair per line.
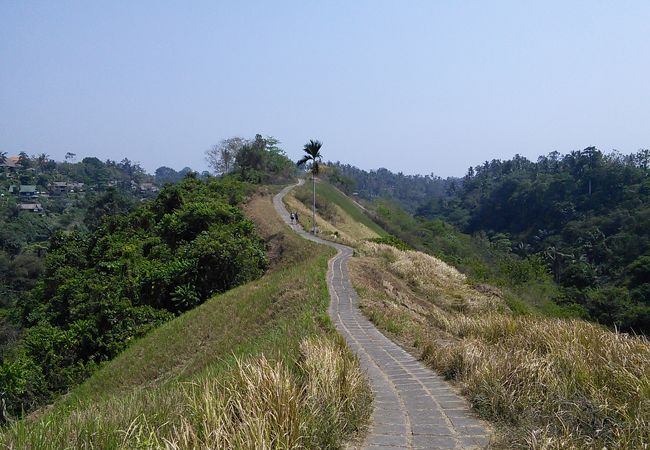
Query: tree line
x,y
585,215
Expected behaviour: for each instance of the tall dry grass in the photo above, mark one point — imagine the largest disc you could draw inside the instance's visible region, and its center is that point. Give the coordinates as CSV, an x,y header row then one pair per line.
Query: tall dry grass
x,y
550,383
259,404
566,384
442,283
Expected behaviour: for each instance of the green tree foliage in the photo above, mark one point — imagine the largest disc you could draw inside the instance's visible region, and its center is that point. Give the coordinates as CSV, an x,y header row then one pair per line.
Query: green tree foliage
x,y
103,288
259,160
410,191
586,214
164,175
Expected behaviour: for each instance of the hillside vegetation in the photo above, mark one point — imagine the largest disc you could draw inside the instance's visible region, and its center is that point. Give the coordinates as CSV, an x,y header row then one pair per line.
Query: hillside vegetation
x,y
583,216
104,288
337,216
545,382
548,383
87,268
256,367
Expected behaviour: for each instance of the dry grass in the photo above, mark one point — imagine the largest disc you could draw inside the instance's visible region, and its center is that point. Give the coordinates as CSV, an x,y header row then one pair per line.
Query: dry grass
x,y
442,283
257,404
334,224
548,383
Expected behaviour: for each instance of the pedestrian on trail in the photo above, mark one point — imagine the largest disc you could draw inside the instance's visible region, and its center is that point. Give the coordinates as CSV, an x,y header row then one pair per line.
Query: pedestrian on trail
x,y
296,217
293,216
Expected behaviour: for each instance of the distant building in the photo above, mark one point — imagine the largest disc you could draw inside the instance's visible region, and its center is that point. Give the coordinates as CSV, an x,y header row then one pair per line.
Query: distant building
x,y
31,207
27,191
79,187
10,163
58,187
148,187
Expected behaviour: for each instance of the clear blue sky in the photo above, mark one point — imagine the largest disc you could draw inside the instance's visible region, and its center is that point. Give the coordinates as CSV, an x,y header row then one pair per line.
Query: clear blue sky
x,y
413,86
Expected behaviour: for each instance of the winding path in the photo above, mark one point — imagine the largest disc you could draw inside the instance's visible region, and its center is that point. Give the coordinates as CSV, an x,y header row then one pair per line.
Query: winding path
x,y
414,407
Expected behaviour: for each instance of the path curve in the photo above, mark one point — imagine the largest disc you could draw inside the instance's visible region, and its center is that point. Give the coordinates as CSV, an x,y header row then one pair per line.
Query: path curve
x,y
414,407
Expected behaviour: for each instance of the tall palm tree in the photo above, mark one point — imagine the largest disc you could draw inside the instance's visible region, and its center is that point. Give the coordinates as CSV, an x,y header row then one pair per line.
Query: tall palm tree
x,y
312,154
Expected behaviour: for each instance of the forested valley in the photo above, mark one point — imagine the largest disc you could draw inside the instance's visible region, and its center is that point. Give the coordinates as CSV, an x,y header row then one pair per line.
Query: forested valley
x,y
581,219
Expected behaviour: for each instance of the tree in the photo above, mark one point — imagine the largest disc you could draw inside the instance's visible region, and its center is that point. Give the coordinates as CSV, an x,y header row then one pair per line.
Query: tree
x,y
313,156
3,157
167,175
221,157
23,160
42,159
69,156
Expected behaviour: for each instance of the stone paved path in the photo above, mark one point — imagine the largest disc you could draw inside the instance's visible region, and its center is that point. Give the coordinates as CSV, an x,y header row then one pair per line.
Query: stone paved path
x,y
414,407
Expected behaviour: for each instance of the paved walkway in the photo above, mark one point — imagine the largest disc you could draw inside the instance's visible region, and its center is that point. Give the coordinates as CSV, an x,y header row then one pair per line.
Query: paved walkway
x,y
414,407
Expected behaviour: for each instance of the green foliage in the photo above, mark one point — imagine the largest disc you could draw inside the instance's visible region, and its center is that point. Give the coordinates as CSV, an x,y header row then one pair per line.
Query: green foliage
x,y
102,289
257,161
410,191
525,281
392,240
585,214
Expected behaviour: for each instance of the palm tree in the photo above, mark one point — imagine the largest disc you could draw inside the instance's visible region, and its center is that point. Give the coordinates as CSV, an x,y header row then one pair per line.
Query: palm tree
x,y
312,150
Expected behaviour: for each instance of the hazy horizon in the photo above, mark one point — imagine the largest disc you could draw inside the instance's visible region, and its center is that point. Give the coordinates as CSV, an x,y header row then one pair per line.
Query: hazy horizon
x,y
417,87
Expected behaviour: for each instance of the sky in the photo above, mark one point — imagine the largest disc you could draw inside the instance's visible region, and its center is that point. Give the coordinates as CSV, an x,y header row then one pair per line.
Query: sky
x,y
413,86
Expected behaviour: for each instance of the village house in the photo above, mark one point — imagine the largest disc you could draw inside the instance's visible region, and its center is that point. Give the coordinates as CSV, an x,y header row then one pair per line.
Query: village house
x,y
148,187
76,187
10,165
27,191
30,207
58,187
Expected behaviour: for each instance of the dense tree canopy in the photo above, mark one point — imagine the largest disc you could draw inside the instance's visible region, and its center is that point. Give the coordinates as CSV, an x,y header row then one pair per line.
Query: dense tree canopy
x,y
102,288
411,191
587,214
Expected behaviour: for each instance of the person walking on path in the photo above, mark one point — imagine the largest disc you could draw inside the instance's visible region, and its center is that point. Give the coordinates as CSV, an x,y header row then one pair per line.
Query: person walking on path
x,y
293,216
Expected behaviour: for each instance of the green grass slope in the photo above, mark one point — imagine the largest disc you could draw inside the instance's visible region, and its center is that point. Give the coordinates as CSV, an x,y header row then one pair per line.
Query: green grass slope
x,y
338,217
333,195
144,397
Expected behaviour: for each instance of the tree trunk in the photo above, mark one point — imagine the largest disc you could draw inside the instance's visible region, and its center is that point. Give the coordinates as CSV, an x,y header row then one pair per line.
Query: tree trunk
x,y
313,209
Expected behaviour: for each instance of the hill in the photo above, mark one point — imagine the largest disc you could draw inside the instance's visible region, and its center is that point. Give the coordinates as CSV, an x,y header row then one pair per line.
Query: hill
x,y
585,214
338,217
264,355
582,217
544,382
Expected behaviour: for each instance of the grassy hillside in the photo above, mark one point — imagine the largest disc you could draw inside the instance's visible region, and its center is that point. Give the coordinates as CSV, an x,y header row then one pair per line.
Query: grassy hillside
x,y
525,282
338,217
546,383
248,368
